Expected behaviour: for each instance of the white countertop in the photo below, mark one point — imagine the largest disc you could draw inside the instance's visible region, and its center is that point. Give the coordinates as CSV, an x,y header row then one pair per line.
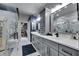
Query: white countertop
x,y
61,40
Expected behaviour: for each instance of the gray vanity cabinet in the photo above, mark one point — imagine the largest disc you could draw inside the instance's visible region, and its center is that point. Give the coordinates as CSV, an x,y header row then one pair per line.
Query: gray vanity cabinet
x,y
66,51
49,48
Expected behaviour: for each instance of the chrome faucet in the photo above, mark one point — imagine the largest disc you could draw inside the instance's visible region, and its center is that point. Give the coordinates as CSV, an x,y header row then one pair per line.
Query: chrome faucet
x,y
75,36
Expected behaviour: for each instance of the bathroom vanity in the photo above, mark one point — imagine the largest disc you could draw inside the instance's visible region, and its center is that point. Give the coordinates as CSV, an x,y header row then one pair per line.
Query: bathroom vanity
x,y
54,46
64,22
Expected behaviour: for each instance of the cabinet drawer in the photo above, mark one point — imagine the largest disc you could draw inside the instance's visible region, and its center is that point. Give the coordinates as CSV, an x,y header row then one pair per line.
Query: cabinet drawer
x,y
67,51
42,40
52,44
53,52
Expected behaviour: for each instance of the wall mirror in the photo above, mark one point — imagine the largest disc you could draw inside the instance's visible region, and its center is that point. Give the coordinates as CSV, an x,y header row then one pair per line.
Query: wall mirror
x,y
65,20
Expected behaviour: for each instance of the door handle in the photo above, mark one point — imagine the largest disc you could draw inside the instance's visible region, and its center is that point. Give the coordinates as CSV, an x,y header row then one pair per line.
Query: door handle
x,y
66,52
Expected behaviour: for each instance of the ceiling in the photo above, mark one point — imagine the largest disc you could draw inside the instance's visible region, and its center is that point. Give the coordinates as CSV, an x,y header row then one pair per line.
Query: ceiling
x,y
28,8
31,8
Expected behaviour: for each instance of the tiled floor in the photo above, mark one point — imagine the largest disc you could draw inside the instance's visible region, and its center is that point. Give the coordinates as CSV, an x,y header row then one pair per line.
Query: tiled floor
x,y
18,52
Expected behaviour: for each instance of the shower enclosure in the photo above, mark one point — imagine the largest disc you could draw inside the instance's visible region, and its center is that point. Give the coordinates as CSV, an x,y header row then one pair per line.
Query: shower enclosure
x,y
8,31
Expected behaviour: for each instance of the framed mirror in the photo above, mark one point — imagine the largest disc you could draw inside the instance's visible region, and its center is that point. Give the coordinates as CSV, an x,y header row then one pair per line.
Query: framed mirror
x,y
65,20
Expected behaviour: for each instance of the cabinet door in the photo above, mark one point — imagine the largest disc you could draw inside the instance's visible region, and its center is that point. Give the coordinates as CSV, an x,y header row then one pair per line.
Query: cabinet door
x,y
67,51
52,52
44,50
34,41
39,45
48,47
52,44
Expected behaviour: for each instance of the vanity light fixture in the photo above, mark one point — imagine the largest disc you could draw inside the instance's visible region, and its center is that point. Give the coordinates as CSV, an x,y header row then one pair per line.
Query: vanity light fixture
x,y
58,7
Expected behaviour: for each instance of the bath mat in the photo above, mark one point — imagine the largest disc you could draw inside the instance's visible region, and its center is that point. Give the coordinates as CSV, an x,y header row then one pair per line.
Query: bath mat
x,y
27,49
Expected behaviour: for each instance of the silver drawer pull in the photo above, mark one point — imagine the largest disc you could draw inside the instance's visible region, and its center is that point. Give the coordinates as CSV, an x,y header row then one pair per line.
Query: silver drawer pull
x,y
66,52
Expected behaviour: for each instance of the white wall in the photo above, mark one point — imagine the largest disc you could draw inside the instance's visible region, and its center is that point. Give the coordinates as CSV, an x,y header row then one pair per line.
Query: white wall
x,y
23,18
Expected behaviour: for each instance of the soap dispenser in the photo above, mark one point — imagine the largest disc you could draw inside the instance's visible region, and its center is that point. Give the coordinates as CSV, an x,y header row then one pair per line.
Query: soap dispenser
x,y
75,36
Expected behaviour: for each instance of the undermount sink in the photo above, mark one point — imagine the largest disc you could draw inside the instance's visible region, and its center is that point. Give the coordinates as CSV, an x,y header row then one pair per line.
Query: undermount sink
x,y
49,34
